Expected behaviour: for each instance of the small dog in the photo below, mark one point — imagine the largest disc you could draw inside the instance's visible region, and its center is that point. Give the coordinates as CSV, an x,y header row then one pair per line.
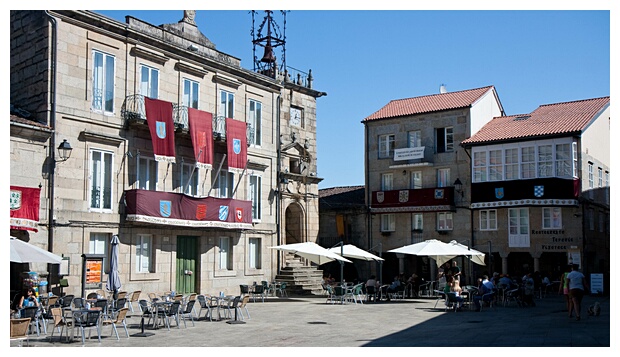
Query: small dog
x,y
594,309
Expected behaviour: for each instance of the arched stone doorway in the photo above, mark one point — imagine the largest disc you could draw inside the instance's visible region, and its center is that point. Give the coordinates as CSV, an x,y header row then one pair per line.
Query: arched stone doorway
x,y
294,231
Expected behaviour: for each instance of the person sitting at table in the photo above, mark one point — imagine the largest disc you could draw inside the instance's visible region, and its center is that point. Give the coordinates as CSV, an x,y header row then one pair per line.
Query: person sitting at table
x,y
28,299
455,287
372,282
393,287
484,287
328,280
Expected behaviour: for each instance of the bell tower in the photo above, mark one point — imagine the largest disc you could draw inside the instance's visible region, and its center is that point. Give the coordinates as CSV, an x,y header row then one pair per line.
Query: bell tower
x,y
270,37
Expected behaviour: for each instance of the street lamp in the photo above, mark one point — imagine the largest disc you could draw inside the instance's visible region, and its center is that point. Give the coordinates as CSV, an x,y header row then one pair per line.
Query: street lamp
x,y
469,273
380,245
64,150
341,244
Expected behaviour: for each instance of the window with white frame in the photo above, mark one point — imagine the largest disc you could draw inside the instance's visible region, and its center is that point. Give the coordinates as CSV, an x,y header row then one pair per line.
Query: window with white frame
x,y
601,221
488,220
388,222
480,166
144,251
590,175
415,138
443,178
528,162
552,218
149,81
190,176
98,244
511,164
563,160
227,104
387,181
386,146
100,180
416,180
600,177
255,121
224,184
191,90
255,196
518,227
496,165
417,222
606,178
444,139
147,173
575,161
225,252
444,221
545,161
103,82
254,253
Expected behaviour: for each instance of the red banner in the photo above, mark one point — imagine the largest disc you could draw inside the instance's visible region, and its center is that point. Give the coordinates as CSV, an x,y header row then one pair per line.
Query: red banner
x,y
201,131
161,125
237,144
25,203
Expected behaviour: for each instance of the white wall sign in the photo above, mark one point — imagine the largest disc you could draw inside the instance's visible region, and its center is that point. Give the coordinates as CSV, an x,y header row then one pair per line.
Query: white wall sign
x,y
409,153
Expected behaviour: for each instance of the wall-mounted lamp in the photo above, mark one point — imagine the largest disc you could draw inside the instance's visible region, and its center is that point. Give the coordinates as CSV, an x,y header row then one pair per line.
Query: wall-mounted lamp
x,y
404,172
458,186
64,150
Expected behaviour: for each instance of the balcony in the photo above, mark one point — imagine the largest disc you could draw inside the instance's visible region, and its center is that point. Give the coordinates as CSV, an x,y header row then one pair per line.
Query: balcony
x,y
434,199
134,112
176,209
540,191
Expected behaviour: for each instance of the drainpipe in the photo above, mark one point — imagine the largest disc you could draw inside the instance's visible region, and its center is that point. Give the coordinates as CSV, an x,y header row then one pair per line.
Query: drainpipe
x,y
52,146
278,169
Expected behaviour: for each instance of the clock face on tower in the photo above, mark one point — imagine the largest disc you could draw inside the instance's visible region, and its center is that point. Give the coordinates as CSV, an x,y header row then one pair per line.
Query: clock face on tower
x,y
295,119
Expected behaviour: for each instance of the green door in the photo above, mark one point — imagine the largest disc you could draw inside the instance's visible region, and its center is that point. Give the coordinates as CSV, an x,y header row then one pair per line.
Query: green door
x,y
186,274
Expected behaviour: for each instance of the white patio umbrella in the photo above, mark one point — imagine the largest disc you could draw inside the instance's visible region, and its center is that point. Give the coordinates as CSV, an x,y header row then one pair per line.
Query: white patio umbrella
x,y
114,280
351,251
22,252
475,256
441,252
311,251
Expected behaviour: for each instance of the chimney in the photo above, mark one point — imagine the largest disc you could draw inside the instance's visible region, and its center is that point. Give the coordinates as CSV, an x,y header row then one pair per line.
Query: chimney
x,y
442,89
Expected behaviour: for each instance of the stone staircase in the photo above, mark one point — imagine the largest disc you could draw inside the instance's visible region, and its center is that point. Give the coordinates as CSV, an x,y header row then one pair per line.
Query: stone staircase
x,y
300,279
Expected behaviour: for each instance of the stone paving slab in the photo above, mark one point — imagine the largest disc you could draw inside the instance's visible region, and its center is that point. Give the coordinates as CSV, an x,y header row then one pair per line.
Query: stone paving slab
x,y
302,321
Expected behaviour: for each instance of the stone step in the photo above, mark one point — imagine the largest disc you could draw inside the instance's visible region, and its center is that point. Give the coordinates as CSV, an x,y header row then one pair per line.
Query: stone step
x,y
300,278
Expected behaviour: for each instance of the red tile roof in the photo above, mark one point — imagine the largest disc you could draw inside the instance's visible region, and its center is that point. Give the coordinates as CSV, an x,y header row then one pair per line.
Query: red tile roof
x,y
548,119
429,103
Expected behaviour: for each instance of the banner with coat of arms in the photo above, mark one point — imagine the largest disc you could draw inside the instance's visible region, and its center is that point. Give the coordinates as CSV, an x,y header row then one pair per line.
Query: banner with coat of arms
x,y
200,129
236,142
25,202
161,126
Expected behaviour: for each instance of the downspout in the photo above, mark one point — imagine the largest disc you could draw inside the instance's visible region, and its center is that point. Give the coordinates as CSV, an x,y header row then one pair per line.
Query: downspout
x,y
368,200
278,169
52,146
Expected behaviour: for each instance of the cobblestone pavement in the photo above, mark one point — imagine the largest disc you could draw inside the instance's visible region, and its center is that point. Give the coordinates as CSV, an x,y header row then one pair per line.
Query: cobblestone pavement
x,y
309,322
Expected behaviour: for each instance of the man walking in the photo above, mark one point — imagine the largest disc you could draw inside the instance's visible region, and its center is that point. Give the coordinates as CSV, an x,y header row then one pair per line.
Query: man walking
x,y
577,285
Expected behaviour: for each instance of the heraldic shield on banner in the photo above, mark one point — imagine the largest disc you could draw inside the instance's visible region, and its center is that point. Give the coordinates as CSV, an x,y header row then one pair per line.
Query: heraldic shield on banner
x,y
380,197
539,191
499,193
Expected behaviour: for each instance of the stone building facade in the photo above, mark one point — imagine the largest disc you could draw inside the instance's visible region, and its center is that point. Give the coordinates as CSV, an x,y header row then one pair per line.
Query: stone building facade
x,y
88,79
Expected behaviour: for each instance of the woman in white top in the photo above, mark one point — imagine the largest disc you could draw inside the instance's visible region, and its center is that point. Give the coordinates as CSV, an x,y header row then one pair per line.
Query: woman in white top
x,y
577,285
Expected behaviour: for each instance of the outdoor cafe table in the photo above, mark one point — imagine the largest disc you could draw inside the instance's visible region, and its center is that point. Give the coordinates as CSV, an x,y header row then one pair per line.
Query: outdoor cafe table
x,y
69,314
157,307
222,301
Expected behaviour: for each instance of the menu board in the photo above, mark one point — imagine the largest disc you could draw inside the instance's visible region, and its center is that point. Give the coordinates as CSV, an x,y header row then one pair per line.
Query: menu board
x,y
93,271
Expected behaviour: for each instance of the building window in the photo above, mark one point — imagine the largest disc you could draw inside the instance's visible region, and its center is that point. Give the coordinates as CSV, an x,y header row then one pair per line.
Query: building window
x,y
415,138
552,218
387,182
545,161
416,180
386,146
189,179
98,244
590,219
255,196
103,82
600,177
227,104
255,122
388,222
444,221
443,178
518,227
191,89
511,164
225,254
575,161
528,162
488,220
224,184
496,166
563,160
147,174
254,253
480,166
417,223
590,175
144,248
100,180
606,178
601,221
149,82
444,139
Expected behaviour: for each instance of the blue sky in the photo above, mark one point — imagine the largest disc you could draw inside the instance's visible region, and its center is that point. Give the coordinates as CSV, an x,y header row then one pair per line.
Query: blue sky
x,y
365,58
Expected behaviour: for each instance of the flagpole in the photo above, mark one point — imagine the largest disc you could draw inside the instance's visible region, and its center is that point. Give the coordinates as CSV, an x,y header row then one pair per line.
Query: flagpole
x,y
192,174
217,174
240,176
